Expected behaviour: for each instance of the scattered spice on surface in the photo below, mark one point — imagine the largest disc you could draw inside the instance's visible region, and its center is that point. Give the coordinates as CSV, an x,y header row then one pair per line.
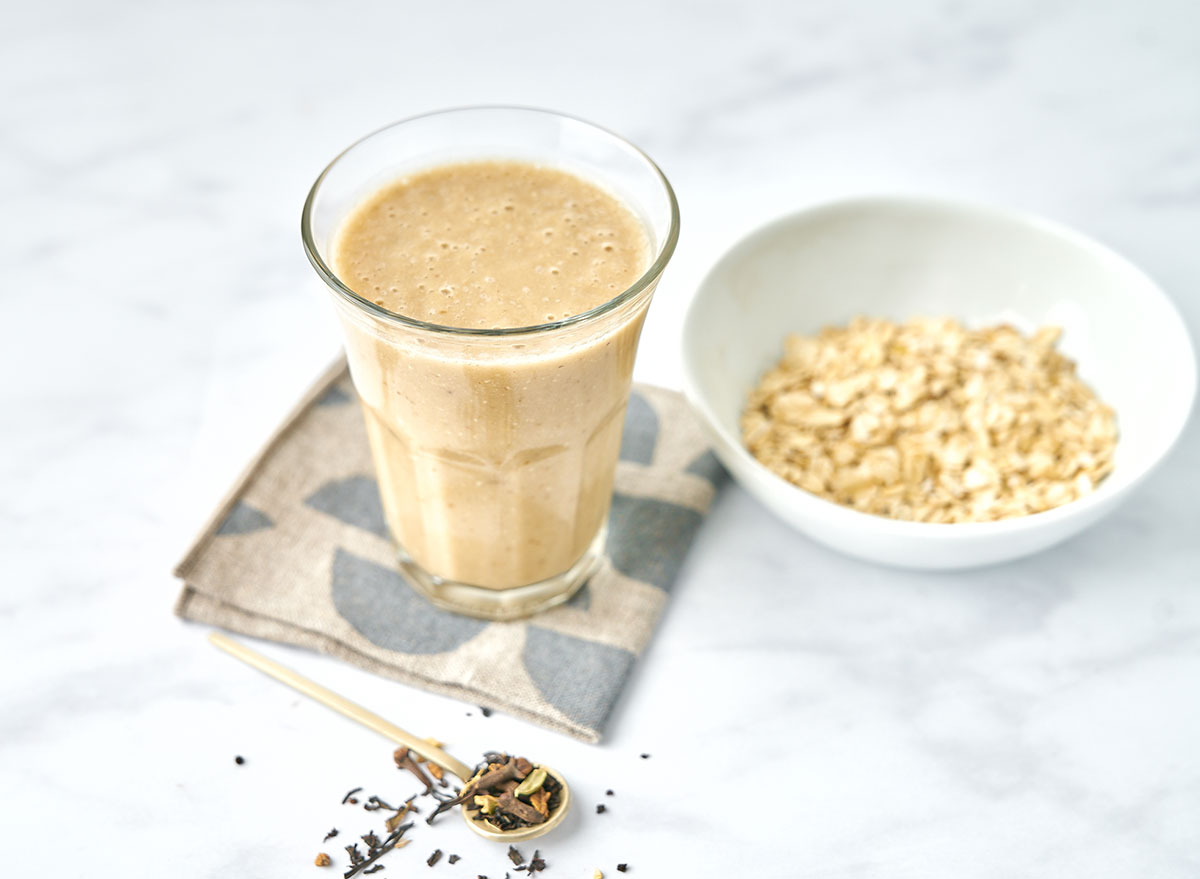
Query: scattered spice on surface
x,y
506,793
536,864
361,865
600,809
622,868
239,760
322,860
393,822
486,712
436,772
404,760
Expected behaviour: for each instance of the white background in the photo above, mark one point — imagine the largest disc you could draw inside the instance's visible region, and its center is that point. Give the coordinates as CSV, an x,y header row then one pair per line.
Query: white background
x,y
1035,719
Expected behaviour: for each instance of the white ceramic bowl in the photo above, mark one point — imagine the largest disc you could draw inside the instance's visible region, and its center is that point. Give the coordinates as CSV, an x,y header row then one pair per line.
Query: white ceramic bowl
x,y
898,258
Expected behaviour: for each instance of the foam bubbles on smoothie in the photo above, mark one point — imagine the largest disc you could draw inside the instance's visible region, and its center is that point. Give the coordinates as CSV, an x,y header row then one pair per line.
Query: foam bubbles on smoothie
x,y
491,243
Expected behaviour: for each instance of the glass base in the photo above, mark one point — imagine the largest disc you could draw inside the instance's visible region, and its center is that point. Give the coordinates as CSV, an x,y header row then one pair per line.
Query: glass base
x,y
503,604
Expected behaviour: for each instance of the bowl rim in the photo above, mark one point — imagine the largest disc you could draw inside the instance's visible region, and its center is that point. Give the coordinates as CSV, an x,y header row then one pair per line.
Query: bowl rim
x,y
746,467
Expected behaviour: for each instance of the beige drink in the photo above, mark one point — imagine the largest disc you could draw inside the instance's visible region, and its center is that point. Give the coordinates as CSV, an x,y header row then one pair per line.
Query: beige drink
x,y
493,471
492,287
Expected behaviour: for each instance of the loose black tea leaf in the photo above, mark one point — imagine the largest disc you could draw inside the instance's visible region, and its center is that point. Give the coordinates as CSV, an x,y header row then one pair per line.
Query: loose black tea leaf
x,y
536,865
376,852
645,756
622,868
600,808
395,835
454,859
239,759
486,712
356,856
608,793
375,869
515,856
348,798
435,857
330,835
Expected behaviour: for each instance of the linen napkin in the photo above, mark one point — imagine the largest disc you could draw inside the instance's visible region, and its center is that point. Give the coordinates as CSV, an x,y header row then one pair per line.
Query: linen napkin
x,y
299,552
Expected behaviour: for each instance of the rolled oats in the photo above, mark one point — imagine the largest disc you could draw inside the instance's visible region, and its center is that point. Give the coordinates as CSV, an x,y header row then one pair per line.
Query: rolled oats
x,y
930,421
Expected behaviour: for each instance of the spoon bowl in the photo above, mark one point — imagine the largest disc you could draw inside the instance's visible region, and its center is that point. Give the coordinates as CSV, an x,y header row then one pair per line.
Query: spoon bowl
x,y
423,748
490,831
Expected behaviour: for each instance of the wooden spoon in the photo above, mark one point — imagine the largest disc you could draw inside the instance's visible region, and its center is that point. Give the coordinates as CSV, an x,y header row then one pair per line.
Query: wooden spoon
x,y
423,748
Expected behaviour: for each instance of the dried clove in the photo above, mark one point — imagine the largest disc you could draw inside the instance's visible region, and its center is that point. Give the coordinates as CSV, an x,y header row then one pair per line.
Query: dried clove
x,y
404,760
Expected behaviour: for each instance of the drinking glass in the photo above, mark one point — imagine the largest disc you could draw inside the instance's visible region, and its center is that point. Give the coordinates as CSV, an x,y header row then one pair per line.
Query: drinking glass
x,y
494,449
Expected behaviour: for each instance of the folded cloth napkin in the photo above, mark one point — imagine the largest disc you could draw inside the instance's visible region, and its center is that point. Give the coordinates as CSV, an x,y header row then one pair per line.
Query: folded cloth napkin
x,y
299,552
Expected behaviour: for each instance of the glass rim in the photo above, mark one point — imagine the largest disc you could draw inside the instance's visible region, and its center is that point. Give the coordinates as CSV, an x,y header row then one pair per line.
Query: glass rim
x,y
663,255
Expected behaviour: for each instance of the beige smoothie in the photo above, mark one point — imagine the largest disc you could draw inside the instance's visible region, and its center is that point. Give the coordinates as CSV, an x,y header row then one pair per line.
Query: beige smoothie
x,y
495,454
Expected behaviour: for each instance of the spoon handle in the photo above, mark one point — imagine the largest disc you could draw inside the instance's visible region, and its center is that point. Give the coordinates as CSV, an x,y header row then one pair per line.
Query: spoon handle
x,y
341,704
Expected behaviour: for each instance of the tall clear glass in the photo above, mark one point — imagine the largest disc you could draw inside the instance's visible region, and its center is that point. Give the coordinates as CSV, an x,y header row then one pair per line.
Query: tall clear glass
x,y
495,449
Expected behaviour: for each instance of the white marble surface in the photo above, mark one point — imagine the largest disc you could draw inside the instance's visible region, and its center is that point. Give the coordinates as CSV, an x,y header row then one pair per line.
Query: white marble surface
x,y
1035,719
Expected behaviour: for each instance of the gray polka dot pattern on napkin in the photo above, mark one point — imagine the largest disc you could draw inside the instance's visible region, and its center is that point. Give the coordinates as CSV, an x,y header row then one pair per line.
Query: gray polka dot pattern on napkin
x,y
647,538
335,396
244,519
389,613
640,434
580,678
354,500
707,466
581,600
